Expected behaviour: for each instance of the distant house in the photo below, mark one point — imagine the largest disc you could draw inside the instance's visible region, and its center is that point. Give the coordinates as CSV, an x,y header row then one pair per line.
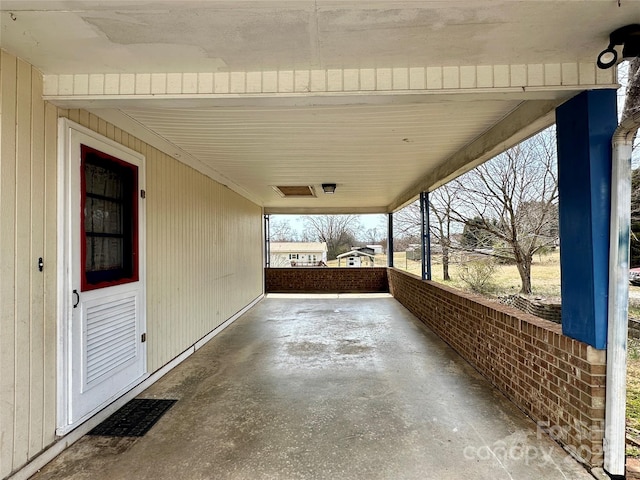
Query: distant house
x,y
377,249
298,254
368,249
356,258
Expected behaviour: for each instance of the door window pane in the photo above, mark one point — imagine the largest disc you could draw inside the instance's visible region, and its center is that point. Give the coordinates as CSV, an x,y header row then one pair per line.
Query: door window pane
x,y
109,209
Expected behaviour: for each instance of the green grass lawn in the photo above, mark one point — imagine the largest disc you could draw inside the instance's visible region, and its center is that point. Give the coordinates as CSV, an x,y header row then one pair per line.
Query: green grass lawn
x,y
633,392
545,274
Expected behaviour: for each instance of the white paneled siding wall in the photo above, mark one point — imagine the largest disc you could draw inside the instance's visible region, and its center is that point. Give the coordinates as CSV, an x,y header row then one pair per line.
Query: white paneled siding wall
x,y
204,257
28,131
204,248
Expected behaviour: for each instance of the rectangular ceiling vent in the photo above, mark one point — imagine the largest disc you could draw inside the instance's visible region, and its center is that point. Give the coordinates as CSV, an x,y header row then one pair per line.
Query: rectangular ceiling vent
x,y
295,191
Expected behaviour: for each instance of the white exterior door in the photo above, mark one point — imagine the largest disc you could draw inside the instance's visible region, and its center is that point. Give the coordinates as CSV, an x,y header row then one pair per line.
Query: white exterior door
x,y
103,319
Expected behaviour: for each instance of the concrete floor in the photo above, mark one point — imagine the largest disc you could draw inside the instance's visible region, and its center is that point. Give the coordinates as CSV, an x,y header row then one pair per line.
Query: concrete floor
x,y
325,388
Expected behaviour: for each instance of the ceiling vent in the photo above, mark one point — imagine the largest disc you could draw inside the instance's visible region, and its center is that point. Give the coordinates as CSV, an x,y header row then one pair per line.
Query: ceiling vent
x,y
295,191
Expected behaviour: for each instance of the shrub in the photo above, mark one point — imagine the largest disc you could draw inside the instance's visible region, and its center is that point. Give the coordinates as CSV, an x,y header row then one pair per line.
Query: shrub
x,y
478,275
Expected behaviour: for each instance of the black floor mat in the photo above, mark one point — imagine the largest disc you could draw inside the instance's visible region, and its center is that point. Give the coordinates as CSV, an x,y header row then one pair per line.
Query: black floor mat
x,y
134,419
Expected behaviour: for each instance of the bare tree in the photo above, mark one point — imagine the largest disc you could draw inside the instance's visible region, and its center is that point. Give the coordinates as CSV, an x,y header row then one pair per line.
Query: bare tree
x,y
407,221
281,231
631,76
441,201
513,197
632,99
441,204
279,261
339,231
372,235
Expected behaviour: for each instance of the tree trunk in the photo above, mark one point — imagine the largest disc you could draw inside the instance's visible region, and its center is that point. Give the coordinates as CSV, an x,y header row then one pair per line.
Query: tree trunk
x,y
523,262
445,262
632,100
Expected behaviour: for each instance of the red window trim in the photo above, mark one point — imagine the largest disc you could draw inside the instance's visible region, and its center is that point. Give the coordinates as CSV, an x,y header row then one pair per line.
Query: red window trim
x,y
135,248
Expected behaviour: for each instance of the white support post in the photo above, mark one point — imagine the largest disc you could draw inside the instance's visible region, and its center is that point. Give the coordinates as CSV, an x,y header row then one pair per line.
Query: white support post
x,y
615,409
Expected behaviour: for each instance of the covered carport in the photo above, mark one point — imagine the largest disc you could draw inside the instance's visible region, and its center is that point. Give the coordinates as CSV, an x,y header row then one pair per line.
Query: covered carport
x,y
227,107
326,387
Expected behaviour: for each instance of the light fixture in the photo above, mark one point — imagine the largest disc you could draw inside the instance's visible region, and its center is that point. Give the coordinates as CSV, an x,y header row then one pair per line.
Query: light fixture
x,y
607,58
329,188
629,37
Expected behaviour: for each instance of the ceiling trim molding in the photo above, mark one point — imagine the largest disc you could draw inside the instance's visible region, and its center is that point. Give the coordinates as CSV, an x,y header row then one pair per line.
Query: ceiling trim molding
x,y
498,78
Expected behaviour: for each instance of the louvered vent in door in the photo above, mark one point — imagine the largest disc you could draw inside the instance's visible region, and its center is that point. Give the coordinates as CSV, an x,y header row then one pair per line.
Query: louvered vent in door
x,y
111,339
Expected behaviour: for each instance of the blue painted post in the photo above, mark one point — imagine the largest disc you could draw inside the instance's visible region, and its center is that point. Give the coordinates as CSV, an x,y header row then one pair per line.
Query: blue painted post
x,y
585,125
425,235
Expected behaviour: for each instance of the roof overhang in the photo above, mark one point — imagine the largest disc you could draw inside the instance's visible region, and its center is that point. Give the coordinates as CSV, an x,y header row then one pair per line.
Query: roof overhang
x,y
355,253
385,100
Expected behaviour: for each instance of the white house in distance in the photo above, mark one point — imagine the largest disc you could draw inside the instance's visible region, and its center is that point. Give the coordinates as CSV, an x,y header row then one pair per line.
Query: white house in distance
x,y
298,254
355,256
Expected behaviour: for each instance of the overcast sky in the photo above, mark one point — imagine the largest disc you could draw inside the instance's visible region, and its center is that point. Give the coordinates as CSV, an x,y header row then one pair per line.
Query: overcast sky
x,y
368,221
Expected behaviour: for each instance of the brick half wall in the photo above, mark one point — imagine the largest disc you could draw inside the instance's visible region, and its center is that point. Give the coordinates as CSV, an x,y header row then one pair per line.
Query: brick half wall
x,y
557,381
326,280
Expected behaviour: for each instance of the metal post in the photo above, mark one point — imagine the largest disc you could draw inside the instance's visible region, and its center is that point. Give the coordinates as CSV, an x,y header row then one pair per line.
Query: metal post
x,y
267,243
390,241
425,236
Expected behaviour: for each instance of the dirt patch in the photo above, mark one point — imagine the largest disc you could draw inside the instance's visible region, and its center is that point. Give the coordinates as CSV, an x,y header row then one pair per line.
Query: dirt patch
x,y
633,469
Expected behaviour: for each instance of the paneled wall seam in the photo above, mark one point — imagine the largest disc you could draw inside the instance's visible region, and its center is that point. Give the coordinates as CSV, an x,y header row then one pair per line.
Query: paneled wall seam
x,y
8,93
23,294
36,334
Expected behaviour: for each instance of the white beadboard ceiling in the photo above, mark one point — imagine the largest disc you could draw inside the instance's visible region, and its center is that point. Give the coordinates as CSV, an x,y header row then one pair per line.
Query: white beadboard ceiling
x,y
379,149
372,152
